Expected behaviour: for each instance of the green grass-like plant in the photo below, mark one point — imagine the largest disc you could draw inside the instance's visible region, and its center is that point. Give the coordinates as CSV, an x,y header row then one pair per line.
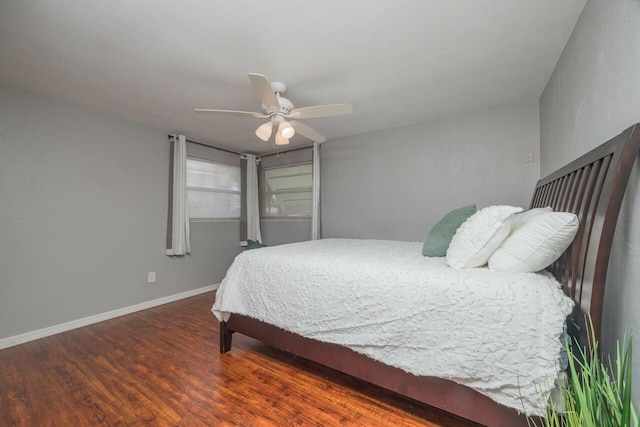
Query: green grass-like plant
x,y
595,395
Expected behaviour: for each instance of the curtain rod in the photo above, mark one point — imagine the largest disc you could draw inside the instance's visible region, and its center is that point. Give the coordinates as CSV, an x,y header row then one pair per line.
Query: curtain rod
x,y
240,154
286,151
207,145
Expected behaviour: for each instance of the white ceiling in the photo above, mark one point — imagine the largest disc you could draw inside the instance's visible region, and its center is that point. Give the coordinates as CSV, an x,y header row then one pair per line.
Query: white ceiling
x,y
396,61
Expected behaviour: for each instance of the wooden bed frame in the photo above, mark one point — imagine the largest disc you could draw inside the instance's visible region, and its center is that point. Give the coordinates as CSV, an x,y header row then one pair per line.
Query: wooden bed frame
x,y
592,187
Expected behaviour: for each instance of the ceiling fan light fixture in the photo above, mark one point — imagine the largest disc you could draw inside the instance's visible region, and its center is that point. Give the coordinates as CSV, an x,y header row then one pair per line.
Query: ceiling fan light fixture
x,y
286,130
264,131
280,140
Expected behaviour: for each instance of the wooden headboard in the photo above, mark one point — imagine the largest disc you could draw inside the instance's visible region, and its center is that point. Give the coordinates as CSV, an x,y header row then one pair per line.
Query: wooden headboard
x,y
592,187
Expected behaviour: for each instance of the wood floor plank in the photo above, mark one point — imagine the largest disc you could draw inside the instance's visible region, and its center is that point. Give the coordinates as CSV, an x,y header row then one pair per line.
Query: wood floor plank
x,y
161,367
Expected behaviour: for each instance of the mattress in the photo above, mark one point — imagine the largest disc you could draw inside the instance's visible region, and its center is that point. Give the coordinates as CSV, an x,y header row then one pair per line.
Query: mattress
x,y
496,332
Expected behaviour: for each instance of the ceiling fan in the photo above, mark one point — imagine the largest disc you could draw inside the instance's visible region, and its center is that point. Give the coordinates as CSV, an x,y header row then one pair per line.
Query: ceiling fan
x,y
280,112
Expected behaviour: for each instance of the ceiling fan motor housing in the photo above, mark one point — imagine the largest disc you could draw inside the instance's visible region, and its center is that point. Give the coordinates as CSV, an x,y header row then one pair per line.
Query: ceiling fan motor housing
x,y
285,105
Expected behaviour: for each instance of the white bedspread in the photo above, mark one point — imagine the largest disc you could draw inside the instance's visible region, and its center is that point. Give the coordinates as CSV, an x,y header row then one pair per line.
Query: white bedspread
x,y
495,332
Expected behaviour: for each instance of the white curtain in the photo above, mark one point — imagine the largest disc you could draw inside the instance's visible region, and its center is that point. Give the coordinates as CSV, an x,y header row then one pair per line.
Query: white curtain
x,y
315,194
179,239
253,207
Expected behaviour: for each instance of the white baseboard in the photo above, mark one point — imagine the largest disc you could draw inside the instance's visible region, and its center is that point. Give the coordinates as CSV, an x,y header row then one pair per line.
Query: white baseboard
x,y
63,327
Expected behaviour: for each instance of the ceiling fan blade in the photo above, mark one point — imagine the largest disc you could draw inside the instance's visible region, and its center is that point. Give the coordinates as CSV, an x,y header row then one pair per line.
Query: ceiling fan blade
x,y
231,112
307,132
321,111
265,91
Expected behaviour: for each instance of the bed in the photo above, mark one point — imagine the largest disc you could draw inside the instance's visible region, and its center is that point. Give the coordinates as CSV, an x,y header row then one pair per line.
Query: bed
x,y
592,187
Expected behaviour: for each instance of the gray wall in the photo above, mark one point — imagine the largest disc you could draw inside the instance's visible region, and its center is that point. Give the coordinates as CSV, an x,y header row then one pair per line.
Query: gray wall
x,y
83,211
397,183
594,94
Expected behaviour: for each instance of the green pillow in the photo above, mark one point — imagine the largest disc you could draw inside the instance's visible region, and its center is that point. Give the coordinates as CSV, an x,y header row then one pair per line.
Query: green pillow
x,y
441,234
252,244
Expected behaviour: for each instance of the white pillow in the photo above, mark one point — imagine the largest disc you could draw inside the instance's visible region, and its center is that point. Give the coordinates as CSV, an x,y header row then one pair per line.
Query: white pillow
x,y
522,218
535,242
479,236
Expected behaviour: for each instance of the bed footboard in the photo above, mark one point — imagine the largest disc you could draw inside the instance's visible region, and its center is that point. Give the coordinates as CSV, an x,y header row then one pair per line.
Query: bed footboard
x,y
439,393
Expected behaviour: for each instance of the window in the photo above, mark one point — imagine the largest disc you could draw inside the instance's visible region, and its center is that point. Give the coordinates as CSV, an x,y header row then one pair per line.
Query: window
x,y
286,191
213,190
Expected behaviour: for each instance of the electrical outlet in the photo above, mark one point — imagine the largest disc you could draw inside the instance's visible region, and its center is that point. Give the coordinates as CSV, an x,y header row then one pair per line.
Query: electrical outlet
x,y
151,277
528,156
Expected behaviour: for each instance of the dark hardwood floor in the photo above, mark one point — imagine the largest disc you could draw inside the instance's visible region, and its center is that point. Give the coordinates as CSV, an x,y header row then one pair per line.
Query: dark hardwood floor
x,y
162,367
